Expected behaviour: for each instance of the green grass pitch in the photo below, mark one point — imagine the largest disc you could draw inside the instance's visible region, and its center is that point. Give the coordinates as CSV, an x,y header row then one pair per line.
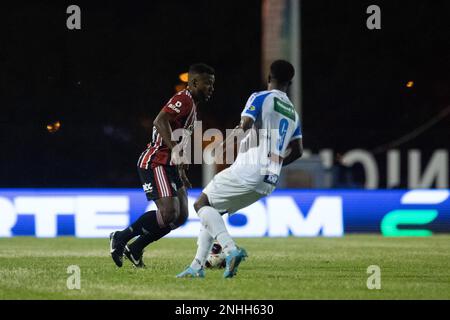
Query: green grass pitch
x,y
277,268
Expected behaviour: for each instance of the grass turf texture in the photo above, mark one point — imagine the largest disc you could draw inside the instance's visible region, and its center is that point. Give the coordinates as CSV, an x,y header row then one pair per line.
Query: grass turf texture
x,y
277,268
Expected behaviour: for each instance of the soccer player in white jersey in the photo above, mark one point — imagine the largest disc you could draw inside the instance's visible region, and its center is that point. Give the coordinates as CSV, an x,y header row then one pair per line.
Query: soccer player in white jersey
x,y
275,140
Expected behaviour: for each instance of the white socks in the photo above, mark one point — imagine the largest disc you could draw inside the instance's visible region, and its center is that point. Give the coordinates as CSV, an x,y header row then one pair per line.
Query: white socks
x,y
213,222
204,243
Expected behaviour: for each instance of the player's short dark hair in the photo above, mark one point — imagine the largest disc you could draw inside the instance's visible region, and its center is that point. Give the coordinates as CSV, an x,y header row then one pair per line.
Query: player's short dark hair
x,y
200,68
282,71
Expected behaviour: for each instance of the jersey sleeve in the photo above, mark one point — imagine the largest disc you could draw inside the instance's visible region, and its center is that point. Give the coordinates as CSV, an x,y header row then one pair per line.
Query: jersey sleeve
x,y
298,131
178,105
253,107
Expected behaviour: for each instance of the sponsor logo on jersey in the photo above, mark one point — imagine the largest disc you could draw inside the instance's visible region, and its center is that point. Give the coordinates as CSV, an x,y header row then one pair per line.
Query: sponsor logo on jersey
x,y
147,187
271,179
284,108
175,107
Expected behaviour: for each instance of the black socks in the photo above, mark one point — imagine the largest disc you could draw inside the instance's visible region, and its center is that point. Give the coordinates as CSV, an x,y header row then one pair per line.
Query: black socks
x,y
136,228
144,240
147,227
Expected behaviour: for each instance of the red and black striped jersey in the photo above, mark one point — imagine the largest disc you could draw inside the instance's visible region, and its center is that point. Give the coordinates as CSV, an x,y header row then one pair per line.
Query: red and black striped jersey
x,y
183,107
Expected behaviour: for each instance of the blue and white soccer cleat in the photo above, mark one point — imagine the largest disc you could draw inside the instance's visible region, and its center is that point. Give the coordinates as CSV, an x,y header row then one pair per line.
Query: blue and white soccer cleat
x,y
191,273
233,260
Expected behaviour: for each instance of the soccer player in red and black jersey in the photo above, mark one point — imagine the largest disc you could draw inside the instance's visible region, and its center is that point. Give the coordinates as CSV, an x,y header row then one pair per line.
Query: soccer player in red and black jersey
x,y
162,172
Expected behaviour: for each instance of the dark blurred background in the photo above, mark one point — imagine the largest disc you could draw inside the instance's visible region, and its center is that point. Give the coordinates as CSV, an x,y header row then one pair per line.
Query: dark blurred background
x,y
106,82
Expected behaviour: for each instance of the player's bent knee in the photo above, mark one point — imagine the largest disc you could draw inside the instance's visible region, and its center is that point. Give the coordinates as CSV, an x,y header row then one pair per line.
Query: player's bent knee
x,y
201,202
169,215
197,206
183,217
180,220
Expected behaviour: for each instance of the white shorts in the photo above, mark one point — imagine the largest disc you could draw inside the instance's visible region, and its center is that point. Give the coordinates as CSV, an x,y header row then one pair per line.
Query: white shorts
x,y
227,193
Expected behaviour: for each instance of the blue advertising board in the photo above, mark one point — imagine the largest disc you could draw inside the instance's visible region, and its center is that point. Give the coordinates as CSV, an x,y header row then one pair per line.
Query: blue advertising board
x,y
303,213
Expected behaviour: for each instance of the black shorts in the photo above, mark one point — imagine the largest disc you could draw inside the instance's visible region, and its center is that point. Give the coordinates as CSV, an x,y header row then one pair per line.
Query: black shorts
x,y
162,181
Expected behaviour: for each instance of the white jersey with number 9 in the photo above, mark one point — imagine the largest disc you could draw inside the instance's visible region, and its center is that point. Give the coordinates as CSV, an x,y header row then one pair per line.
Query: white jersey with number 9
x,y
276,123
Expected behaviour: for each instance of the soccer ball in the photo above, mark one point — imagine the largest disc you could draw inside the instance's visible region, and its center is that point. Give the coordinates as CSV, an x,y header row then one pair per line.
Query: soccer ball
x,y
216,258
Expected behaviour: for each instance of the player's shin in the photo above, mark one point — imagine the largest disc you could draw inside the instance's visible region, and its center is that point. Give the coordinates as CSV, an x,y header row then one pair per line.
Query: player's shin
x,y
136,228
213,222
152,229
205,243
146,223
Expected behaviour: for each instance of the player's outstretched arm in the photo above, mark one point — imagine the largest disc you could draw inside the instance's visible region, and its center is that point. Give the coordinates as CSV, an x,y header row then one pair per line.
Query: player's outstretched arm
x,y
294,151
